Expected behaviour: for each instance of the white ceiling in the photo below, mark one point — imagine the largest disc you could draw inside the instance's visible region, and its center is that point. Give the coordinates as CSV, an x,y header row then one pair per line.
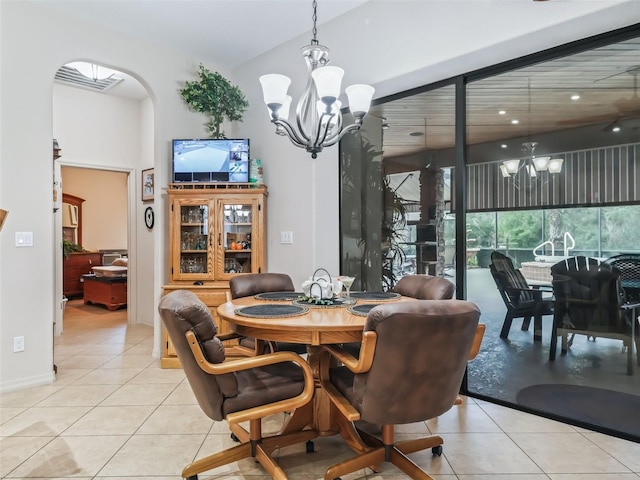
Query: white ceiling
x,y
228,32
203,28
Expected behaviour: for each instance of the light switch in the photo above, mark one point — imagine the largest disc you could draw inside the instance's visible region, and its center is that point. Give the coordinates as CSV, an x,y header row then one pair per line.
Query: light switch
x,y
286,238
24,239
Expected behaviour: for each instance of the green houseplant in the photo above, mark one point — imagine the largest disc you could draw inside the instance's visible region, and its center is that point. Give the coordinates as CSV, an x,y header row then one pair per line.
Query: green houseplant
x,y
215,96
69,247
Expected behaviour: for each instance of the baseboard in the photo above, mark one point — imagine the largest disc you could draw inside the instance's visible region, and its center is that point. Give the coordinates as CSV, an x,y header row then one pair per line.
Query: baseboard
x,y
28,382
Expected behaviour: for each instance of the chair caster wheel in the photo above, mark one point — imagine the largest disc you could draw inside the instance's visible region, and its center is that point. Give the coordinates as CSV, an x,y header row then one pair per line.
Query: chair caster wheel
x,y
234,438
437,450
309,446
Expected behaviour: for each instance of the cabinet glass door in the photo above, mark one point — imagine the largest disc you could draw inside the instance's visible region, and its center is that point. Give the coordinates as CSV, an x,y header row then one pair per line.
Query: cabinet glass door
x,y
195,258
237,234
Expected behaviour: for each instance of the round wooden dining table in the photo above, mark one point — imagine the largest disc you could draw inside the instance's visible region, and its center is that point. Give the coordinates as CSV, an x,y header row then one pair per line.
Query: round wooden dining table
x,y
319,325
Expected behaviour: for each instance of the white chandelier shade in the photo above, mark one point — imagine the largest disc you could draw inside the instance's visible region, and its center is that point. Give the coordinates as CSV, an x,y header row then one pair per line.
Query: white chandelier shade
x,y
511,166
318,117
359,99
555,165
274,90
541,163
328,81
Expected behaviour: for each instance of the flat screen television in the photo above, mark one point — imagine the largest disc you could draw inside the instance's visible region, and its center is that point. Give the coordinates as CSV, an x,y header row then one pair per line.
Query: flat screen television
x,y
211,160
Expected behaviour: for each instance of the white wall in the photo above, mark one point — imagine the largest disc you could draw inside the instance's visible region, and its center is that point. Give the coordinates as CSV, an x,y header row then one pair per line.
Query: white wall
x,y
34,43
393,45
148,252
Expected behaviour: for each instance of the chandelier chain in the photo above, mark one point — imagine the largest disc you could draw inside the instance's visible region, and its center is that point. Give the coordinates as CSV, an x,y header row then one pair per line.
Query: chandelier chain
x,y
314,40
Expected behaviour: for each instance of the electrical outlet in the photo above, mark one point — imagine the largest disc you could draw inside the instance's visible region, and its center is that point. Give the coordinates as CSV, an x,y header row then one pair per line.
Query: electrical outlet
x,y
18,344
286,238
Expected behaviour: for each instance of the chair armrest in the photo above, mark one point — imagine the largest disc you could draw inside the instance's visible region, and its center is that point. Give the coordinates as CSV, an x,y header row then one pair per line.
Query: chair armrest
x,y
228,336
477,340
247,363
537,293
363,362
356,365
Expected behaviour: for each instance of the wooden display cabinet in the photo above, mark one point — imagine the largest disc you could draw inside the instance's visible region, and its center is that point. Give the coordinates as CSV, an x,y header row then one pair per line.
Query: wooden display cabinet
x,y
216,231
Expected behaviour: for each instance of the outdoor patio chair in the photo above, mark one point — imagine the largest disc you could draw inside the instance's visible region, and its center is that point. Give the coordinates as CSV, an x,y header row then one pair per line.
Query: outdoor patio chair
x,y
589,301
629,266
521,300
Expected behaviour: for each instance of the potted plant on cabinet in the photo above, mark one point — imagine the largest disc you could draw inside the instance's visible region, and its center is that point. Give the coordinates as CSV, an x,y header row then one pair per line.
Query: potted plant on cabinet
x,y
215,96
70,247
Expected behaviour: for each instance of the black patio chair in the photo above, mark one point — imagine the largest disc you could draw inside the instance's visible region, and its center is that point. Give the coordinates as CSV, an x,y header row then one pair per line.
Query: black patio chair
x,y
629,266
521,300
589,301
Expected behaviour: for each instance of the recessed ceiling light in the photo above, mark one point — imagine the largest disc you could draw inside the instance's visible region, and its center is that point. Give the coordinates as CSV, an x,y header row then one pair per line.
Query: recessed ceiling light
x,y
502,112
575,97
416,134
515,121
504,145
615,129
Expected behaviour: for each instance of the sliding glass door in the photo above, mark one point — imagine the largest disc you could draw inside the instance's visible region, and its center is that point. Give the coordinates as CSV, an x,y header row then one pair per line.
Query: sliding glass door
x,y
551,161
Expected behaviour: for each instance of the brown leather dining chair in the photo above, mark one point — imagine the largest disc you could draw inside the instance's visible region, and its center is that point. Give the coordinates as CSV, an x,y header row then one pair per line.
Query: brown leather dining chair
x,y
410,369
420,287
249,284
240,390
425,287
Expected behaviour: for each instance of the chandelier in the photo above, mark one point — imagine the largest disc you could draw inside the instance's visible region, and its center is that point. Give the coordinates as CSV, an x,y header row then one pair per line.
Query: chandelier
x,y
531,164
318,115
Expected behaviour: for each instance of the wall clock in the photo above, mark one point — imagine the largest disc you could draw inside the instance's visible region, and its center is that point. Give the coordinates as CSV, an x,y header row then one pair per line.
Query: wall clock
x,y
148,217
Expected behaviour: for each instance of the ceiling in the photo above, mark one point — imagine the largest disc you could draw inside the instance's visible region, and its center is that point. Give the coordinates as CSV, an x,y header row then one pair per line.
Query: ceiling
x,y
202,28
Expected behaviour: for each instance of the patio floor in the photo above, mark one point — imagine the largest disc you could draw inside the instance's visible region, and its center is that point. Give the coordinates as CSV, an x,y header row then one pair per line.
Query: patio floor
x,y
505,366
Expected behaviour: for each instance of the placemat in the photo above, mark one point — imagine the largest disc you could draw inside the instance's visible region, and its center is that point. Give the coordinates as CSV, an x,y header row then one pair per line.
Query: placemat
x,y
271,311
375,295
278,296
337,302
362,309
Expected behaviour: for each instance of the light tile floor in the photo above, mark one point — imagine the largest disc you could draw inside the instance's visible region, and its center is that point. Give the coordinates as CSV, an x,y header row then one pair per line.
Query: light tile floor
x,y
114,414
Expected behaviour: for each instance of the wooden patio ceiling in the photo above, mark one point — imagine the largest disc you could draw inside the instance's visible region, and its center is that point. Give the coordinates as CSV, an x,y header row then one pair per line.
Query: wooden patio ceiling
x,y
607,80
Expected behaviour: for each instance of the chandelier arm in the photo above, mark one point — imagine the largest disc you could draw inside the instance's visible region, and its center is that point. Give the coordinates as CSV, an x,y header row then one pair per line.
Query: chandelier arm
x,y
290,132
319,130
347,129
333,132
306,115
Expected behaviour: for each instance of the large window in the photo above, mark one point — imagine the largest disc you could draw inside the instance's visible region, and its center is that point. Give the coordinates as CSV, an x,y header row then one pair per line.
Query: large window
x,y
553,174
551,161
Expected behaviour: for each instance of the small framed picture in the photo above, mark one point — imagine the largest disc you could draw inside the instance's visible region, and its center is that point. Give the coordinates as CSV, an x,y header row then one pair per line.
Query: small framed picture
x,y
147,184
